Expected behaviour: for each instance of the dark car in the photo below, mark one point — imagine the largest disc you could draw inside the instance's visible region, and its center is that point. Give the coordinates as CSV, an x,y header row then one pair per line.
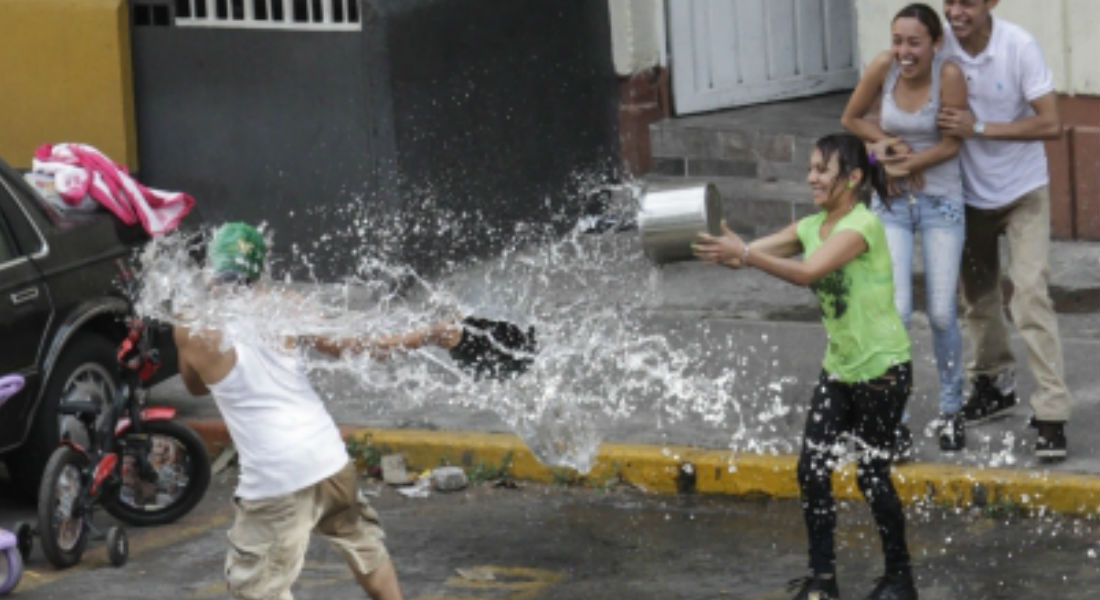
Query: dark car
x,y
61,316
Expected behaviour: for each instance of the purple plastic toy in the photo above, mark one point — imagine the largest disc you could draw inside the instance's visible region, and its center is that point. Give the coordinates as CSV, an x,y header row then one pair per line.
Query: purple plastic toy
x,y
14,546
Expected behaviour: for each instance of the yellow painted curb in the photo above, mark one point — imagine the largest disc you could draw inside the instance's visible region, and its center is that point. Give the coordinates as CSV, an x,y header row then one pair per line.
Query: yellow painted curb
x,y
668,469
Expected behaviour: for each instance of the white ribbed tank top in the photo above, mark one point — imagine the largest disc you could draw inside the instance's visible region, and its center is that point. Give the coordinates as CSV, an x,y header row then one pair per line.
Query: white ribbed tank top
x,y
285,437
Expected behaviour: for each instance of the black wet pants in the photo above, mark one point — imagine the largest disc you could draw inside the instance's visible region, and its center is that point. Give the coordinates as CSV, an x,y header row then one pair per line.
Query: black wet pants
x,y
868,411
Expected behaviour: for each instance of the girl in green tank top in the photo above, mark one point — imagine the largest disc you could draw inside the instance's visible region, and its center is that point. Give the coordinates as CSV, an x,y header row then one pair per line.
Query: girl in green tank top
x,y
866,373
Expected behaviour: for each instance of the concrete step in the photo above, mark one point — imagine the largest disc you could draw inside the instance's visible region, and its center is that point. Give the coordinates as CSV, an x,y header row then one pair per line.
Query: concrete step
x,y
679,151
771,142
753,207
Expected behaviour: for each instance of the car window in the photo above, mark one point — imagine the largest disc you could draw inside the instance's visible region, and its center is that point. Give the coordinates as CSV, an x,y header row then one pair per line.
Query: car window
x,y
23,233
48,203
7,244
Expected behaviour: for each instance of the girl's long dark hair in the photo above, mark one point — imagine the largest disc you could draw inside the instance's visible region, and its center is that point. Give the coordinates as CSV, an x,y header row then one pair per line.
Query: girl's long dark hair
x,y
851,154
926,15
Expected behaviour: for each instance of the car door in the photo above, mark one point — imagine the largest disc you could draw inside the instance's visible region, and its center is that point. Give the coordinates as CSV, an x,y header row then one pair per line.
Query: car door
x,y
25,309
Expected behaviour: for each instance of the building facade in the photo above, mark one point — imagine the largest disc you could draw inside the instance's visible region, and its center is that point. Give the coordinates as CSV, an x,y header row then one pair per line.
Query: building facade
x,y
726,53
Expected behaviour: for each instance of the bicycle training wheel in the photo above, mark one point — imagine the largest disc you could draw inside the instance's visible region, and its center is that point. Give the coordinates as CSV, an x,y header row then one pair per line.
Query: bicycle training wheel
x,y
11,569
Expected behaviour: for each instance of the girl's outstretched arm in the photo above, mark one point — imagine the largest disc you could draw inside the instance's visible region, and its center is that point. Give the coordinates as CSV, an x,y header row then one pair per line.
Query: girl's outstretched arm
x,y
775,251
728,248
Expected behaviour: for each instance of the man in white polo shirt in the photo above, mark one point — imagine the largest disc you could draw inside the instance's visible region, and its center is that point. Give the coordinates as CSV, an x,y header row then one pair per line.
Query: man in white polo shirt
x,y
1006,185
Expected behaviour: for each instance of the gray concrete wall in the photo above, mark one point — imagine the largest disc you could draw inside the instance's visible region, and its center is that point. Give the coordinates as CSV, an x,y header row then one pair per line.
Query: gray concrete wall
x,y
262,125
482,108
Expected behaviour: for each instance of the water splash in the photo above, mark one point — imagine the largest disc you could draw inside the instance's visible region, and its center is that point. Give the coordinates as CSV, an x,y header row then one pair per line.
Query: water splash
x,y
590,296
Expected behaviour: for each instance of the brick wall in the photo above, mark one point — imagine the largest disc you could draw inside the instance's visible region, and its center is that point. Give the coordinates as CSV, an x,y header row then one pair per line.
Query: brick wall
x,y
1074,158
644,98
1075,170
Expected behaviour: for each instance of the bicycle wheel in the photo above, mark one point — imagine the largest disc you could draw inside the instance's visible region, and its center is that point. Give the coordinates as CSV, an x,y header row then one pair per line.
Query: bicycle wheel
x,y
176,479
11,570
118,546
60,520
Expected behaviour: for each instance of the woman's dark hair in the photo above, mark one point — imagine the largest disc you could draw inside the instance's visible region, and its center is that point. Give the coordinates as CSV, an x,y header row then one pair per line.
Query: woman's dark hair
x,y
850,155
926,15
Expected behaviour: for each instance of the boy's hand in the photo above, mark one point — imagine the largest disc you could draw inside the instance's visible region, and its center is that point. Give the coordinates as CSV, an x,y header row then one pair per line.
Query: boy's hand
x,y
446,334
957,122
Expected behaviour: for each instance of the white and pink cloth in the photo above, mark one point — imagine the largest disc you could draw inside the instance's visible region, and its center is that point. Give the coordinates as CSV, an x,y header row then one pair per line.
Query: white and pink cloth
x,y
80,171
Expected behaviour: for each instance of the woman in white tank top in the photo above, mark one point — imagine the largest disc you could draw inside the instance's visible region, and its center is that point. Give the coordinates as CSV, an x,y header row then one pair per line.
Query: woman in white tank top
x,y
912,81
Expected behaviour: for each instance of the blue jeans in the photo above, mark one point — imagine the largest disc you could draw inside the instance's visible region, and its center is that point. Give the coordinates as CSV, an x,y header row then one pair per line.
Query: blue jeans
x,y
941,222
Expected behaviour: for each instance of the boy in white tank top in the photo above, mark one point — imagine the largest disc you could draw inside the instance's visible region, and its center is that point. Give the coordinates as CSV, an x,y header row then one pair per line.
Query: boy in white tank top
x,y
296,476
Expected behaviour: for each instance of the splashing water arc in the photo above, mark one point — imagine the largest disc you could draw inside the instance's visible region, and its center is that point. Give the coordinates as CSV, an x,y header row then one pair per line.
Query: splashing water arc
x,y
602,363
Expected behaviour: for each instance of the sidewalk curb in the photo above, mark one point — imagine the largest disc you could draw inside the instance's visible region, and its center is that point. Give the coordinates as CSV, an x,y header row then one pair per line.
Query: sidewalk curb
x,y
673,469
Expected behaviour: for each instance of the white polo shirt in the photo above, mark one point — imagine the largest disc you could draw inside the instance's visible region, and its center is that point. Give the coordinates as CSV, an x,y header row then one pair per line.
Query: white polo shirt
x,y
1001,81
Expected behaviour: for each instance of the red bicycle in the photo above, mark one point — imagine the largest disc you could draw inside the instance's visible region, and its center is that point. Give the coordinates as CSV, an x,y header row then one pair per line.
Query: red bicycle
x,y
143,467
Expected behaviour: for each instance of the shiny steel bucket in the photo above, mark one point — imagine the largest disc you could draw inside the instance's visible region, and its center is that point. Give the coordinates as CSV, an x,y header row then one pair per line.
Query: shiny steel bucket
x,y
672,215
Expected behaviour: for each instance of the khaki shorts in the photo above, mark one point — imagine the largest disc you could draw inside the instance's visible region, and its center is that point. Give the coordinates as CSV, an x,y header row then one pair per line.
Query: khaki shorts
x,y
269,537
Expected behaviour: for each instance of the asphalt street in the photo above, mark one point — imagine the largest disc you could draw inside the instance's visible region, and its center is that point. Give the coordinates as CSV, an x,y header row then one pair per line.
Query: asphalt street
x,y
769,333
559,542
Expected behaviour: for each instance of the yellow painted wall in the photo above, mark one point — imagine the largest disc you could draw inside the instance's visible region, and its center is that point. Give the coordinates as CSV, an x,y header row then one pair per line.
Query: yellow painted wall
x,y
65,76
1066,31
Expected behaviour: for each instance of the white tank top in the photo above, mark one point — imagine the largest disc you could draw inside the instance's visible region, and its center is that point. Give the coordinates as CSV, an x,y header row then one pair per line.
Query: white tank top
x,y
919,130
284,436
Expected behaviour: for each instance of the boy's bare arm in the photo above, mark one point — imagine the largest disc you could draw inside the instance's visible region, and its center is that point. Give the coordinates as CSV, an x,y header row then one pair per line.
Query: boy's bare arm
x,y
445,335
185,348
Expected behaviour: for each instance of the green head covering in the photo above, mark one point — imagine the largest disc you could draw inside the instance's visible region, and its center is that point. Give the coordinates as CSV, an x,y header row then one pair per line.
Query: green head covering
x,y
237,249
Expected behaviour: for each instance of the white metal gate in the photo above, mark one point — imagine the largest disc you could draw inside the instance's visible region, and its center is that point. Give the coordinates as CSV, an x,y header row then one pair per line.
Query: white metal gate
x,y
733,52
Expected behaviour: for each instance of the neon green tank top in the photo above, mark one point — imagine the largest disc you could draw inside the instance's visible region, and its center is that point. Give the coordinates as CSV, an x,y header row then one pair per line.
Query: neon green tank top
x,y
866,335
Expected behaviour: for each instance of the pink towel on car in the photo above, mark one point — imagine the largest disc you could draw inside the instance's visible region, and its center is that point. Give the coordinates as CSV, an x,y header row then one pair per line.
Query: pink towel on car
x,y
79,170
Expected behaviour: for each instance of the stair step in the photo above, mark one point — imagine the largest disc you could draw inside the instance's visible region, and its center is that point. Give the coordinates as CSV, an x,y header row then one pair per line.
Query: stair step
x,y
753,207
769,141
697,152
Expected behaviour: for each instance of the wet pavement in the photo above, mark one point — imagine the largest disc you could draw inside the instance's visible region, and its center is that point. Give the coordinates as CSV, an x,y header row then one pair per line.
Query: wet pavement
x,y
550,542
769,332
560,542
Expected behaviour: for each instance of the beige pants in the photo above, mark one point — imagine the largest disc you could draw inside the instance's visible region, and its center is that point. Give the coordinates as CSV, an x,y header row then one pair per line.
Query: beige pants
x,y
1025,224
269,537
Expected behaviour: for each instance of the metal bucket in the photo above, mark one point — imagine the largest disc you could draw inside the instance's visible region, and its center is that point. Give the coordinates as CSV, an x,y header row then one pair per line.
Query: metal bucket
x,y
672,215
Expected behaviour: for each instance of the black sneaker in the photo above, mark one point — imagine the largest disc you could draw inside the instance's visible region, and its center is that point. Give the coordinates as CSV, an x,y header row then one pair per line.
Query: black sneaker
x,y
898,586
1050,444
814,588
986,400
902,451
951,431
